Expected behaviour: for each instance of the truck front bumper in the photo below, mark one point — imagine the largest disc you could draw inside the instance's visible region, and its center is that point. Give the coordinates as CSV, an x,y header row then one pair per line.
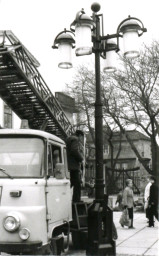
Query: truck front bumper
x,y
20,247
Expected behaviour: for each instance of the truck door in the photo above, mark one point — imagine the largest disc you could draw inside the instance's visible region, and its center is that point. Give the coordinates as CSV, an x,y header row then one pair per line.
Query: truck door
x,y
58,186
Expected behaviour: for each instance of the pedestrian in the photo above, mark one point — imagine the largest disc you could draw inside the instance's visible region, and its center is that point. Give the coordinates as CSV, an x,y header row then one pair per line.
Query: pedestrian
x,y
75,156
128,200
119,201
147,194
153,203
90,186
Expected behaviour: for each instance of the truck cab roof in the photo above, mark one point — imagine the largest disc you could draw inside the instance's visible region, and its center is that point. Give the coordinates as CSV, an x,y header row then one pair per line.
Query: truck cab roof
x,y
32,132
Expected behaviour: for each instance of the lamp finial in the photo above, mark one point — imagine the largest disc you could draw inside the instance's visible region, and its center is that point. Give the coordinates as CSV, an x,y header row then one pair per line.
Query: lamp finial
x,y
95,7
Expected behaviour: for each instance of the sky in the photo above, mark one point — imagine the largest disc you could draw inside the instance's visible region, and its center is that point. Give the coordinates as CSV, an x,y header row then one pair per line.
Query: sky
x,y
37,22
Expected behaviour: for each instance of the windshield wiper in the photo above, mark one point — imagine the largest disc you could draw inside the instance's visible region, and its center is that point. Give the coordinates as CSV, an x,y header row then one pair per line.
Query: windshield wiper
x,y
4,171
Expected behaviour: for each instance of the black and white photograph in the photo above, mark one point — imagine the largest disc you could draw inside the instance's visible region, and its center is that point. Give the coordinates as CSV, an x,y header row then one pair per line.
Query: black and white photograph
x,y
79,127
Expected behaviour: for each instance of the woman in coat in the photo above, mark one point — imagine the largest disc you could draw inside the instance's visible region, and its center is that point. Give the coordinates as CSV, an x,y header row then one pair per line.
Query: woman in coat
x,y
128,200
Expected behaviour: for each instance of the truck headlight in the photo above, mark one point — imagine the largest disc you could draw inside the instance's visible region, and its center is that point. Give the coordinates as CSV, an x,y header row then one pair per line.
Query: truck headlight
x,y
11,223
24,233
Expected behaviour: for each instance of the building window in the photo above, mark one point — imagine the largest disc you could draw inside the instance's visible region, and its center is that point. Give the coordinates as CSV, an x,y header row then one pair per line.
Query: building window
x,y
124,166
121,165
106,149
7,116
91,152
117,166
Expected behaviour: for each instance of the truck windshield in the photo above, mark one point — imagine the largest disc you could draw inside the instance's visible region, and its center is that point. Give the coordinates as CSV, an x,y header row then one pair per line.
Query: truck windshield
x,y
21,157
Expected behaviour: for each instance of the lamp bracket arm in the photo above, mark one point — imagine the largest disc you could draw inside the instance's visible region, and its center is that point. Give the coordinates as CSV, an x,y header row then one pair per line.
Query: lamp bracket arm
x,y
79,14
100,18
96,39
110,47
97,49
77,19
110,36
101,45
144,30
62,32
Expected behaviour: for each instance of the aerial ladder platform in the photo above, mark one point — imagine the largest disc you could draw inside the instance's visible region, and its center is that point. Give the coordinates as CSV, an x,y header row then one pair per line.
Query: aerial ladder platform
x,y
24,90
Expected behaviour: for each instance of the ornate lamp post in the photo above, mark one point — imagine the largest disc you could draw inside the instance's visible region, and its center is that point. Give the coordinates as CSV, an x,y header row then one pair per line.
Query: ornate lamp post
x,y
90,39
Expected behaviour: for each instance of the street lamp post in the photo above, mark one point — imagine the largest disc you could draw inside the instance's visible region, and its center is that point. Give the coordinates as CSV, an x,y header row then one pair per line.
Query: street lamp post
x,y
100,219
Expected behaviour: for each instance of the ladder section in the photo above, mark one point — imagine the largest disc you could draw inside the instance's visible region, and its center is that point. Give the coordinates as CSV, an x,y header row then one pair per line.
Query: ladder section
x,y
25,91
80,215
79,225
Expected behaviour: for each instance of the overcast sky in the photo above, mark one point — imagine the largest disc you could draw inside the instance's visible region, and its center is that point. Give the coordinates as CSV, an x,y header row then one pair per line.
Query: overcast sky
x,y
37,22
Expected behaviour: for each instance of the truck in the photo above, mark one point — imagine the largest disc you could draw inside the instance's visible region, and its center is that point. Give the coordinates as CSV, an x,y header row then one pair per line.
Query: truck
x,y
35,193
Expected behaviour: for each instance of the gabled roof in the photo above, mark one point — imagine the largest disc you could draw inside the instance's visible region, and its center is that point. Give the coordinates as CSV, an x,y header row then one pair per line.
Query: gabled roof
x,y
133,134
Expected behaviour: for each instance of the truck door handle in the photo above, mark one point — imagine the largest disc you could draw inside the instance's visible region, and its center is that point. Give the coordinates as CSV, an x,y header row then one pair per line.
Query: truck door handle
x,y
66,182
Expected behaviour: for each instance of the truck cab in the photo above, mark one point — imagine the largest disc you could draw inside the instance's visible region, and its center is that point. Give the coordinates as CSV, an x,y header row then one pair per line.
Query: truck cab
x,y
35,193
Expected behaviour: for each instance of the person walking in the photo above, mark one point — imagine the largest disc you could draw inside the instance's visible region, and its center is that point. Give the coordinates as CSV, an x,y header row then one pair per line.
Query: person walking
x,y
147,195
153,203
119,201
128,200
75,157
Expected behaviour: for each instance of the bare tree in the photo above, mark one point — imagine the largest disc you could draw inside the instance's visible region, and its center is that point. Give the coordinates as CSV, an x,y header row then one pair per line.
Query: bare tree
x,y
82,89
130,97
139,85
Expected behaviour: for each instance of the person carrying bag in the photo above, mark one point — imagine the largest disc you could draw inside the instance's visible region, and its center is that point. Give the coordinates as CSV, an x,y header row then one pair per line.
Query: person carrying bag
x,y
128,201
124,219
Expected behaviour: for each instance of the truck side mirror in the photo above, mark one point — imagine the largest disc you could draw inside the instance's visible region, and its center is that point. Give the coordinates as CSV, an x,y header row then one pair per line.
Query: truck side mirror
x,y
59,171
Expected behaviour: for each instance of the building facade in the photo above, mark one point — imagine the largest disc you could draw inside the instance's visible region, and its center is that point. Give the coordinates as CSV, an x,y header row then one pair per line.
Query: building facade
x,y
120,154
8,119
121,162
68,105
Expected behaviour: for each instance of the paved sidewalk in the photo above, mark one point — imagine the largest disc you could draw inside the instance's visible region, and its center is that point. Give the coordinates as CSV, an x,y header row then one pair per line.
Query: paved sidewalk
x,y
142,240
132,242
139,241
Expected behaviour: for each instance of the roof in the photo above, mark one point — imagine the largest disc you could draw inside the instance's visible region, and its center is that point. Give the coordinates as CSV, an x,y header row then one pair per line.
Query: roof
x,y
66,101
40,133
133,134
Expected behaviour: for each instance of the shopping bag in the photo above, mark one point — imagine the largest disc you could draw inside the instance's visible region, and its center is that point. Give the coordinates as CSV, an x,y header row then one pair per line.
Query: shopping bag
x,y
124,219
